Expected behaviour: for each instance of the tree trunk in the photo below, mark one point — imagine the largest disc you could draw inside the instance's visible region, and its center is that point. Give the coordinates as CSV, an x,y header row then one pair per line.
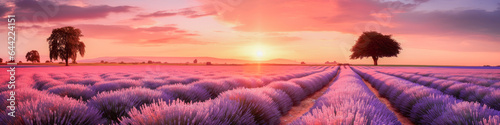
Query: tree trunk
x,y
375,59
66,47
67,54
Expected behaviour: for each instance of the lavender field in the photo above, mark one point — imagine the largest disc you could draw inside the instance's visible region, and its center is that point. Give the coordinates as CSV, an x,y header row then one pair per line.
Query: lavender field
x,y
253,94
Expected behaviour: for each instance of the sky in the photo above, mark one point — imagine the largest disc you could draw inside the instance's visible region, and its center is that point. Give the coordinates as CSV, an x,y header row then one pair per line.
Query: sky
x,y
431,32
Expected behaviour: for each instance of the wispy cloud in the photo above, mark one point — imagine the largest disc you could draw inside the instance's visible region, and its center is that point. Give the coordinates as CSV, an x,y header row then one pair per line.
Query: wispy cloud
x,y
191,12
44,10
149,36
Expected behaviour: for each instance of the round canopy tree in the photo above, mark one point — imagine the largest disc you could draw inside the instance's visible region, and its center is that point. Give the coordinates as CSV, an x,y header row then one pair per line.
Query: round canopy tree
x,y
33,56
64,43
375,45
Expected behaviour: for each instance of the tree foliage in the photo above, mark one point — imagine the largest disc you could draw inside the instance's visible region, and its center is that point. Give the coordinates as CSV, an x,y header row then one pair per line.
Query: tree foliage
x,y
64,43
81,50
33,56
375,45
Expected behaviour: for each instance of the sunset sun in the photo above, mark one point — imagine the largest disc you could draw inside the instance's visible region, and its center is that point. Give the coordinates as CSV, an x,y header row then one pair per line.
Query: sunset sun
x,y
259,54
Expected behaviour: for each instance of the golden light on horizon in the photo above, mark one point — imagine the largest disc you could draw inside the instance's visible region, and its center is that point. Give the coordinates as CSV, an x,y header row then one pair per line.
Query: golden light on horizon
x,y
257,52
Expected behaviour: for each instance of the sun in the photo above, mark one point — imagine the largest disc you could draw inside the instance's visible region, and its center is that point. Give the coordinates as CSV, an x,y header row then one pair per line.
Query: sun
x,y
259,54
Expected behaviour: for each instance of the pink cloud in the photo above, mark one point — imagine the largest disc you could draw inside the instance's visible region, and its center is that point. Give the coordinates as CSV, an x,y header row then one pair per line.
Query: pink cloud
x,y
158,14
176,40
37,11
354,16
190,12
451,23
158,35
4,10
302,15
160,29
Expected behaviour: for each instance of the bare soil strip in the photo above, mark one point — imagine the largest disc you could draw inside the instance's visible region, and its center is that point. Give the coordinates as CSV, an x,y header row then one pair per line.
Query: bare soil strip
x,y
306,104
404,120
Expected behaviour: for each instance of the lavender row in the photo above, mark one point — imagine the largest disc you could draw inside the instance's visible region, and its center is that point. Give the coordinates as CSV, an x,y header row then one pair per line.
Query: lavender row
x,y
104,83
115,104
428,106
261,106
209,89
484,77
486,81
465,91
348,101
150,79
85,89
464,79
42,108
489,75
111,105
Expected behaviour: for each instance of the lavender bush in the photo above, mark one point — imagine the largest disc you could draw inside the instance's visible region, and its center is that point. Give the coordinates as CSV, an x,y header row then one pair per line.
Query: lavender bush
x,y
50,110
116,104
261,106
74,91
187,93
114,85
293,90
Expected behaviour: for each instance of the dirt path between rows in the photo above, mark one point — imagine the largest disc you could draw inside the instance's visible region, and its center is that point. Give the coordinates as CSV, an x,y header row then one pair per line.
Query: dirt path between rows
x,y
404,120
305,104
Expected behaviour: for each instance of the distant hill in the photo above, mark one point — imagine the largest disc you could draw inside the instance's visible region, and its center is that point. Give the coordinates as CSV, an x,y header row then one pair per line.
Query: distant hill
x,y
131,59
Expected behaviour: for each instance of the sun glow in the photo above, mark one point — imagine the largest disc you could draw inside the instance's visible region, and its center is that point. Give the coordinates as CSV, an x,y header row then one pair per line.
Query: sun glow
x,y
259,53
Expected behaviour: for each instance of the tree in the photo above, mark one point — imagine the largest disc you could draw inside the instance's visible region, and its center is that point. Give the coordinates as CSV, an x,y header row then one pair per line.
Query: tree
x,y
303,63
33,56
1,60
81,49
195,61
64,43
375,45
